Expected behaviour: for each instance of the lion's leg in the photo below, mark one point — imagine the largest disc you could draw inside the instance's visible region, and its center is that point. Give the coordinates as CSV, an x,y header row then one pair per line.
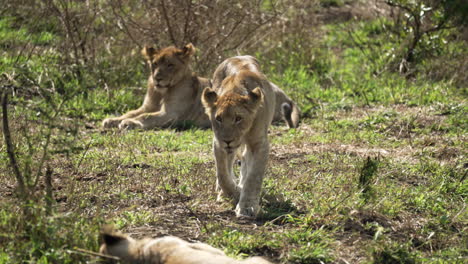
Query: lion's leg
x,y
115,121
249,202
226,184
219,190
148,121
244,166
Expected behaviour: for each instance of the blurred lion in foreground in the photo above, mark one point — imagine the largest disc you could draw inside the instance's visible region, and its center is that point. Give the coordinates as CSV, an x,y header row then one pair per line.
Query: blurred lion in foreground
x,y
164,250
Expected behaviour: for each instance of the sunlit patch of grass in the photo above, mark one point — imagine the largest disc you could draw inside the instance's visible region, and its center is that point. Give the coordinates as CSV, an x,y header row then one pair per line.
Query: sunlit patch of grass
x,y
395,253
306,246
313,246
49,238
408,206
236,242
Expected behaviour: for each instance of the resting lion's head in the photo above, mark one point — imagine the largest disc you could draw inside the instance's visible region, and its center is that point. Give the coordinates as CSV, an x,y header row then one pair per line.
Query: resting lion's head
x,y
233,112
118,245
169,65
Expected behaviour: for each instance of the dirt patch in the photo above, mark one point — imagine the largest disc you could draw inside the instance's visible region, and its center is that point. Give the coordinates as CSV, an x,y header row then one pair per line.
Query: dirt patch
x,y
288,152
448,153
421,128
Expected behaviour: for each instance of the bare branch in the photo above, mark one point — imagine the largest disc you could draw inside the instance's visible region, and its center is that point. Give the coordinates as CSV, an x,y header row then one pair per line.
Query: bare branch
x,y
187,21
91,253
168,24
249,33
124,25
9,145
45,147
48,184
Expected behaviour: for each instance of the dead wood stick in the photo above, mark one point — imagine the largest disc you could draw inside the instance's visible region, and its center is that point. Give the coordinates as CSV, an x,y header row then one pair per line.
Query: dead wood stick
x,y
87,252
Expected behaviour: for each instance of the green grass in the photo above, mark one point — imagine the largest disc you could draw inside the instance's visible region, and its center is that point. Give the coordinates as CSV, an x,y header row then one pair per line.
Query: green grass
x,y
376,173
12,35
352,66
313,198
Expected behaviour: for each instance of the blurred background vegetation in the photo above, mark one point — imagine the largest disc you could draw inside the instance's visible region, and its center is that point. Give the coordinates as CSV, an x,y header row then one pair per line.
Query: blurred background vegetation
x,y
67,64
320,51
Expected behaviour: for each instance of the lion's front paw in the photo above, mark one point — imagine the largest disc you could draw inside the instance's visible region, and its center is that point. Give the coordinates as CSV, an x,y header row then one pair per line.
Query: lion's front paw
x,y
110,122
249,212
128,124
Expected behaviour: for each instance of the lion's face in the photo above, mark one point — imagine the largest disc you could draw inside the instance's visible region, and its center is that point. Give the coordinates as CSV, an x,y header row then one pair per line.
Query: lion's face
x,y
231,115
169,65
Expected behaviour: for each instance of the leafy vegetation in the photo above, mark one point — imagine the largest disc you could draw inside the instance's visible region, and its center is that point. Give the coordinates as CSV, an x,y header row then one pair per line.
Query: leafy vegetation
x,y
376,173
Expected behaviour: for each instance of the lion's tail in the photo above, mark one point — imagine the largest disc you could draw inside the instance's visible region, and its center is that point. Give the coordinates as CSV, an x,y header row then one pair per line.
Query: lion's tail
x,y
291,114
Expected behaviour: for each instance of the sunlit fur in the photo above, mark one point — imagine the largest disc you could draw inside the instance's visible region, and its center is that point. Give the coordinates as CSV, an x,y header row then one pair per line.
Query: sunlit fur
x,y
241,106
173,93
164,250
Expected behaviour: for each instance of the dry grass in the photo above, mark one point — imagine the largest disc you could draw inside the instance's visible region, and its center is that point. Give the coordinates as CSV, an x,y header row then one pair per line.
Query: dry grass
x,y
167,187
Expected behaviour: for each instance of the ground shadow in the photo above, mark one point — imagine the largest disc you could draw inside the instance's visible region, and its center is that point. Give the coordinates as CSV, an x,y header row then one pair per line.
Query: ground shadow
x,y
275,209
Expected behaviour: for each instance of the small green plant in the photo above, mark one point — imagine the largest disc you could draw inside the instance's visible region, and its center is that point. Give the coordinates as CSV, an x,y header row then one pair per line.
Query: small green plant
x,y
313,247
240,243
367,176
395,254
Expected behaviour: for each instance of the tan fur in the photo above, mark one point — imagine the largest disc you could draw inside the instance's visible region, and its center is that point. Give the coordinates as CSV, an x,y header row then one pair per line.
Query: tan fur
x,y
173,94
241,106
165,250
285,108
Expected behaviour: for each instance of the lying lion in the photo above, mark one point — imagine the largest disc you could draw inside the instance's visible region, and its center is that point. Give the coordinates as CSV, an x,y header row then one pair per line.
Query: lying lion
x,y
164,250
241,106
173,94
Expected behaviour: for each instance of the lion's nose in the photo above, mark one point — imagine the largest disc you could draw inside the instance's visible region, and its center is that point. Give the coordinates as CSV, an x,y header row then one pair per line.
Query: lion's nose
x,y
228,142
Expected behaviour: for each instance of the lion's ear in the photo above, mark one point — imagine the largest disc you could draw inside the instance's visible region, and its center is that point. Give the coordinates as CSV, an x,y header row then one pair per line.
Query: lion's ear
x,y
256,97
188,50
110,236
111,239
148,52
209,97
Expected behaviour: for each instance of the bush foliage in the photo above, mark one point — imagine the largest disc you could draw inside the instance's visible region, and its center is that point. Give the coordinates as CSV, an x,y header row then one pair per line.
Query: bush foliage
x,y
68,64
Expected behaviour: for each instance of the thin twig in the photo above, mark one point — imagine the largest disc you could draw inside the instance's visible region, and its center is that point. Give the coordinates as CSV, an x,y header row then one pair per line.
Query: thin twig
x,y
91,253
196,216
9,145
187,20
45,148
169,27
84,154
233,29
124,24
460,212
281,217
249,33
48,184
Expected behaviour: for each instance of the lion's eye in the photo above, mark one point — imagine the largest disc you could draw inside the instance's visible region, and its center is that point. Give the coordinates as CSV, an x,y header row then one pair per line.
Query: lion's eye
x,y
238,119
219,119
170,65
